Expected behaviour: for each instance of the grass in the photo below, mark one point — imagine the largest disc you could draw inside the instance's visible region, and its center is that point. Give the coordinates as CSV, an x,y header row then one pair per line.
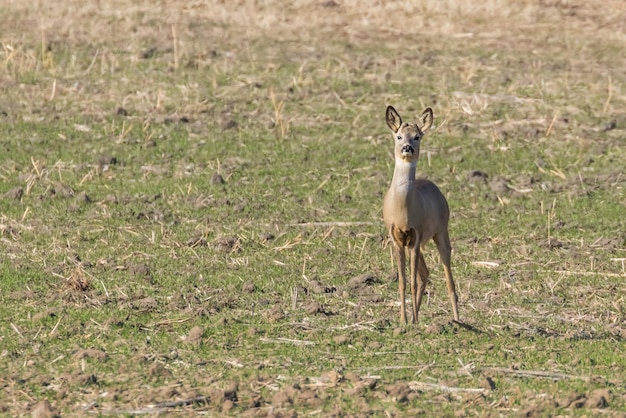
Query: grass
x,y
191,202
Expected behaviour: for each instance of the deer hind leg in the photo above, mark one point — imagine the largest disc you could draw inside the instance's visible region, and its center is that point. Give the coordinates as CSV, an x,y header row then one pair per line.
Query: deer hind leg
x,y
422,269
442,240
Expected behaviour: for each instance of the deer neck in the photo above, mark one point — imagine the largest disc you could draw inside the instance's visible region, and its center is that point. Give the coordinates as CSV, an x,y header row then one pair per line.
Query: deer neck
x,y
403,181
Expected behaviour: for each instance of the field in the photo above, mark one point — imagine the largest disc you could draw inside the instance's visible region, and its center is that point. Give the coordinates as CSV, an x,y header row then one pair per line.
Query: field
x,y
191,194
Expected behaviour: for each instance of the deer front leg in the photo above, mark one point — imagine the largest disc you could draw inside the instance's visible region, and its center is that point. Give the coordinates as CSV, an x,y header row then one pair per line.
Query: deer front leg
x,y
415,256
422,278
419,278
401,261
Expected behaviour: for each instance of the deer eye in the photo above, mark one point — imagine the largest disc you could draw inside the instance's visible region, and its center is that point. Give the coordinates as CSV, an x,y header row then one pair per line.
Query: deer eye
x,y
399,137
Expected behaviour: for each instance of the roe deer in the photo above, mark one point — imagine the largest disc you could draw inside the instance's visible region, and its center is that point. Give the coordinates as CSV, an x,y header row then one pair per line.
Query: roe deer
x,y
414,211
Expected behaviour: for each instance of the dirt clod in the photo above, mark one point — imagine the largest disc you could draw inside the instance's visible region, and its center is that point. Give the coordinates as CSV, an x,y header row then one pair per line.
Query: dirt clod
x,y
475,176
217,178
15,193
352,377
227,244
400,391
145,304
158,370
362,282
315,287
230,395
91,353
255,402
82,197
167,392
248,287
525,180
499,185
228,124
197,239
574,400
107,160
330,4
84,379
598,398
609,126
48,313
43,409
313,308
610,243
333,377
281,398
275,314
488,383
195,335
266,236
341,339
139,269
309,398
227,405
62,190
78,280
551,243
435,328
618,331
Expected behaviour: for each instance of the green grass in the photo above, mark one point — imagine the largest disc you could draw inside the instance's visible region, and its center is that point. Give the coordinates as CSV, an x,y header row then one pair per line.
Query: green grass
x,y
123,239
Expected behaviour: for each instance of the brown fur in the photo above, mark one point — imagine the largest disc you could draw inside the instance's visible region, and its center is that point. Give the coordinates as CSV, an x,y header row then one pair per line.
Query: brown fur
x,y
415,211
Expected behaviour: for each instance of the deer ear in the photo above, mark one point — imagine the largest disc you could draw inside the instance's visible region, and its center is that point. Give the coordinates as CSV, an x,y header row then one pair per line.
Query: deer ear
x,y
426,120
394,121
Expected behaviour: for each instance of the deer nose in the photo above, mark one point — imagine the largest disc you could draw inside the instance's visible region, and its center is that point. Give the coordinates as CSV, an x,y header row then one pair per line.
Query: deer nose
x,y
407,150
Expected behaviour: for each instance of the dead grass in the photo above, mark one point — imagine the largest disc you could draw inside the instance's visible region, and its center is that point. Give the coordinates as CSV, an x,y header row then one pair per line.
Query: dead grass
x,y
117,34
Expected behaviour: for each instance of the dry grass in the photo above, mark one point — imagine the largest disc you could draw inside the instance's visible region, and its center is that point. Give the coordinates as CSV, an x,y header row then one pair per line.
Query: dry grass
x,y
115,34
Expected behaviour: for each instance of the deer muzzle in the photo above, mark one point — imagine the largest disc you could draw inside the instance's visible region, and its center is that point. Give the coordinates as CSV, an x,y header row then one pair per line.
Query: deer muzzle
x,y
407,150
